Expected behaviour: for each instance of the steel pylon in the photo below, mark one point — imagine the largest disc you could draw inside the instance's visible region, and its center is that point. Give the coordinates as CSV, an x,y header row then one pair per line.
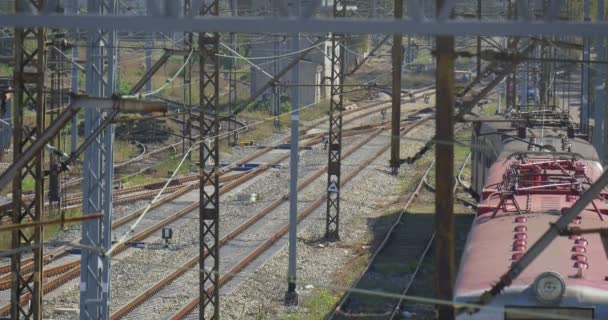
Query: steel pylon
x,y
28,81
98,170
209,168
334,143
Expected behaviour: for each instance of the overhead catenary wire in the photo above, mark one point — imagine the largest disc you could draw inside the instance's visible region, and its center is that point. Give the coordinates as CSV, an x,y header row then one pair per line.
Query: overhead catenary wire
x,y
166,84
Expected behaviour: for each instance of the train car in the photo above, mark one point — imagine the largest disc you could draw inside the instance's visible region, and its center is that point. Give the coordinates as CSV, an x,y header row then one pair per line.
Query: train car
x,y
525,177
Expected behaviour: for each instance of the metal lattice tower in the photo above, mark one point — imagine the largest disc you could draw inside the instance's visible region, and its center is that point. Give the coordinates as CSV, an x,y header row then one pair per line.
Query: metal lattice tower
x,y
73,8
187,112
209,166
28,83
232,77
98,170
334,143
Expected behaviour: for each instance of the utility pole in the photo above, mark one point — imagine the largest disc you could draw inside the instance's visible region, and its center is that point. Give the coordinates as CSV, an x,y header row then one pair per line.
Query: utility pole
x,y
74,10
209,238
334,143
28,82
585,73
511,96
187,112
373,15
598,130
478,40
232,137
276,91
98,170
291,296
149,43
444,173
397,57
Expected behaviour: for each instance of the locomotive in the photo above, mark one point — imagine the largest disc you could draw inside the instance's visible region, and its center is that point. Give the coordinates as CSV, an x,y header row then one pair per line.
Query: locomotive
x,y
526,169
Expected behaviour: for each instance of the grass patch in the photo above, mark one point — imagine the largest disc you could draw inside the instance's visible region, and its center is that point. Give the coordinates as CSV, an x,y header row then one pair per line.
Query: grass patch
x,y
140,179
317,111
28,184
263,125
123,150
48,231
316,306
492,106
162,172
5,69
320,304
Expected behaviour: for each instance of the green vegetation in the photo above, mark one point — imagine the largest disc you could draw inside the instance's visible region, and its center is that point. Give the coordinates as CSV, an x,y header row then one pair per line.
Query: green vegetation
x,y
124,86
265,106
316,306
140,179
48,231
423,57
492,106
28,184
162,171
124,150
263,125
5,69
320,304
317,111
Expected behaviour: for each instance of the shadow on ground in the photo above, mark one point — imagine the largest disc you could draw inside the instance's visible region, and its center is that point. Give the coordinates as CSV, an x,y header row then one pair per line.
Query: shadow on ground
x,y
392,270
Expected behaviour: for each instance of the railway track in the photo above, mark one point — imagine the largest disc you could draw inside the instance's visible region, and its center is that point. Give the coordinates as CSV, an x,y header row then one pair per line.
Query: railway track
x,y
406,241
363,112
71,270
236,265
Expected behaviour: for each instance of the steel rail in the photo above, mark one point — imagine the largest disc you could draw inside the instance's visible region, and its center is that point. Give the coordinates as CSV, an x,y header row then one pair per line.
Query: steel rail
x,y
75,271
397,307
315,138
423,181
337,308
149,292
62,251
55,283
124,310
51,285
193,304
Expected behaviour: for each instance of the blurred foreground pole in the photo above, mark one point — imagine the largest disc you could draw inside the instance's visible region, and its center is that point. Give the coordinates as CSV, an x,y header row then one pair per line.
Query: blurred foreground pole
x,y
397,57
444,156
291,296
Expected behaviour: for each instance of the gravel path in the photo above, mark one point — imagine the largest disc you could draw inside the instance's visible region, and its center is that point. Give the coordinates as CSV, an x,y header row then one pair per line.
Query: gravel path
x,y
361,201
362,204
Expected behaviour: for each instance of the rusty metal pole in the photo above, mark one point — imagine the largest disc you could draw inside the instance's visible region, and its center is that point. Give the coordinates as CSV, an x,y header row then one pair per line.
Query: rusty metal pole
x,y
444,174
29,81
478,40
397,56
209,162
